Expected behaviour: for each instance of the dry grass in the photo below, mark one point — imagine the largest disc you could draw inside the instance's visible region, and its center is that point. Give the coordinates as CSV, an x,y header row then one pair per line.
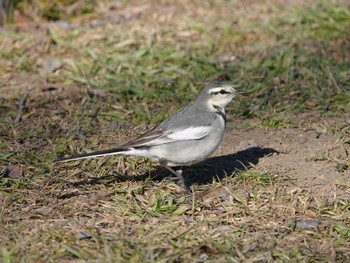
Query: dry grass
x,y
102,76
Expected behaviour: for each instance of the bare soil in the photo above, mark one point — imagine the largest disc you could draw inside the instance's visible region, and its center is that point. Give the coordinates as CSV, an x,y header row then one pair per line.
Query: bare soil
x,y
308,159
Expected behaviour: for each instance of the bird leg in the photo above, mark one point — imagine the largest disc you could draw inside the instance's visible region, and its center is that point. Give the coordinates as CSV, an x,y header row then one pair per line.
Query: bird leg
x,y
178,176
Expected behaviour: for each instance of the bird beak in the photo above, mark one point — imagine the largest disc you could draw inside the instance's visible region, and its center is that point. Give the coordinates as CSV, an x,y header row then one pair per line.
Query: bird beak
x,y
242,92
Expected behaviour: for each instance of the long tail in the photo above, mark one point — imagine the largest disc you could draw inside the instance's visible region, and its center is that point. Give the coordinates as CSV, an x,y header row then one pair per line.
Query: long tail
x,y
113,151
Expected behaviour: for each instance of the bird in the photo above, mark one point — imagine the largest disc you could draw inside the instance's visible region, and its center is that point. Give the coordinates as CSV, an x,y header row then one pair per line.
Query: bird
x,y
188,136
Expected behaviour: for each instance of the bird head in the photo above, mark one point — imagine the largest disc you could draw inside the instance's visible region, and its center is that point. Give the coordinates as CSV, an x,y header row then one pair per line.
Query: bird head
x,y
217,94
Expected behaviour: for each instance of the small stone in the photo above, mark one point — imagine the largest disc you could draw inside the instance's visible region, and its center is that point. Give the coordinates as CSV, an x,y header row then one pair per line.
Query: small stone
x,y
62,24
306,224
83,235
13,172
203,256
51,65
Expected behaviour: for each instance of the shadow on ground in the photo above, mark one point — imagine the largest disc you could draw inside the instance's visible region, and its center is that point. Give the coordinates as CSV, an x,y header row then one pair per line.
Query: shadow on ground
x,y
225,165
219,167
213,168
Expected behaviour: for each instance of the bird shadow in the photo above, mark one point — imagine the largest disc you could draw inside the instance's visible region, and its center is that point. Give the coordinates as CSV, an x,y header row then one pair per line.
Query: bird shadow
x,y
217,167
212,168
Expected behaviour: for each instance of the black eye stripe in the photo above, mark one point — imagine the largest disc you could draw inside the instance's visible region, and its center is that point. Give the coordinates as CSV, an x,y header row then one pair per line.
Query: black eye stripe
x,y
221,92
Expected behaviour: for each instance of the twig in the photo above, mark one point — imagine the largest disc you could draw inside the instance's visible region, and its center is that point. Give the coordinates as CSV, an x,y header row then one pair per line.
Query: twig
x,y
21,105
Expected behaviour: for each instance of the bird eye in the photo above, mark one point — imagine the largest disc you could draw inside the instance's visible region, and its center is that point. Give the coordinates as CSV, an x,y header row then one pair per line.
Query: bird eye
x,y
219,92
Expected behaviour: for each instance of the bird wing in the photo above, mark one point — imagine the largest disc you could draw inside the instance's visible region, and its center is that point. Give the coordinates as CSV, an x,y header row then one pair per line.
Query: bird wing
x,y
189,133
159,136
177,128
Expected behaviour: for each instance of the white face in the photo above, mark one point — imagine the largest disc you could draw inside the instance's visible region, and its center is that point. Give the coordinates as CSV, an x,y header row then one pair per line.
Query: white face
x,y
221,96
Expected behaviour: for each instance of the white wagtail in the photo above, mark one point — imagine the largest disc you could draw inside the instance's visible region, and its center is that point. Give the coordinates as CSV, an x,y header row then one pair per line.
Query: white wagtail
x,y
187,137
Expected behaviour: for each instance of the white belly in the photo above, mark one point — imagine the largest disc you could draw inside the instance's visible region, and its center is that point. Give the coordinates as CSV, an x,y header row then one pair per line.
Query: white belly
x,y
189,152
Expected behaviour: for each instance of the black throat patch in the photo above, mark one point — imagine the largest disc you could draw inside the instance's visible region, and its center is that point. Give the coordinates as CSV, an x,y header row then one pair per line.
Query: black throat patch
x,y
220,112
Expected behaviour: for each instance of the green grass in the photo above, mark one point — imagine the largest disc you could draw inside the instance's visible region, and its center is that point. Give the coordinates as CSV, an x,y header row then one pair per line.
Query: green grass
x,y
122,77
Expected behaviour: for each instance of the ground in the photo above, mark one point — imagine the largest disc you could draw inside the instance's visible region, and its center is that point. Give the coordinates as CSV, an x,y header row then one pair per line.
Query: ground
x,y
276,189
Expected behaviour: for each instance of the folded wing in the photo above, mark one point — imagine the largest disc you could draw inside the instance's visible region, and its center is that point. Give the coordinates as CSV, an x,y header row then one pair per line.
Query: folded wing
x,y
158,136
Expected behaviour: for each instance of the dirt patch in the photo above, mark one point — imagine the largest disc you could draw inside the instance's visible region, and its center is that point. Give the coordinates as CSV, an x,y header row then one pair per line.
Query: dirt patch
x,y
308,159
